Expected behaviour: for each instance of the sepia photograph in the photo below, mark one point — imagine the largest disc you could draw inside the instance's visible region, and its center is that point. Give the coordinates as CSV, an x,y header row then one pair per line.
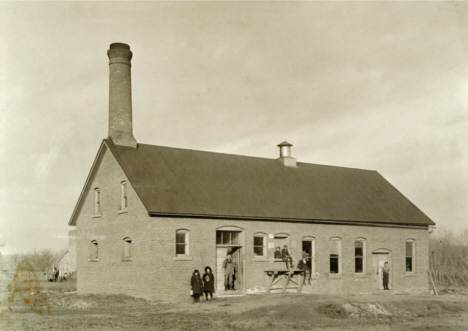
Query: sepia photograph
x,y
233,165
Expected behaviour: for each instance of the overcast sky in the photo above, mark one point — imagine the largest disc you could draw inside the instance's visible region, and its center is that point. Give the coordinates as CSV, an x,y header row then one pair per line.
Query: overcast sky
x,y
372,85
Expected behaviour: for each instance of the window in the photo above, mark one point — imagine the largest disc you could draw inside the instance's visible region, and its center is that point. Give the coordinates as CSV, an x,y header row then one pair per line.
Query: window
x,y
259,245
182,243
127,249
123,196
360,256
410,255
230,238
335,256
94,251
97,201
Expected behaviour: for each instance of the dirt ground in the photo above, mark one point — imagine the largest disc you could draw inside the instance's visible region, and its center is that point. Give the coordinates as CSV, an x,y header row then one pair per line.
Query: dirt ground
x,y
289,311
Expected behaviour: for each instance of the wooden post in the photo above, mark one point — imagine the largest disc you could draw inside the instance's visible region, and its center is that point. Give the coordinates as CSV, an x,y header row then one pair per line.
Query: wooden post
x,y
271,277
301,281
286,282
432,281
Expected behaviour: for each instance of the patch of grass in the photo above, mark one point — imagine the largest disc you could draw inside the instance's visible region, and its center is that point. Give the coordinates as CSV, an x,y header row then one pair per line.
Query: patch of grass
x,y
66,286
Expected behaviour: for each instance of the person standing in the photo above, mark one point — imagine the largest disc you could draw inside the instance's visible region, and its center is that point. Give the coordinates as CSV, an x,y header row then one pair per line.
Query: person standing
x,y
385,275
208,283
197,286
228,267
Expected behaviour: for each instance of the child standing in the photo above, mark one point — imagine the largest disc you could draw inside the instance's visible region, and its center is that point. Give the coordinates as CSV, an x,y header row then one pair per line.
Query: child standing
x,y
208,283
197,286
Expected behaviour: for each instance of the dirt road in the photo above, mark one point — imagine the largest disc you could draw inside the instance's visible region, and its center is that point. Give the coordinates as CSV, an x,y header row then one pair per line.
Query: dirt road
x,y
251,312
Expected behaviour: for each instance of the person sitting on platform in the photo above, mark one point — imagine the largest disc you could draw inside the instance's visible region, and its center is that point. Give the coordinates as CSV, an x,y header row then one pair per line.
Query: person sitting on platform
x,y
304,266
287,257
278,253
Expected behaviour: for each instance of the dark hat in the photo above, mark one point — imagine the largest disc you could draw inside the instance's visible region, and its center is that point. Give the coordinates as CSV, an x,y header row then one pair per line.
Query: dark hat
x,y
195,271
206,269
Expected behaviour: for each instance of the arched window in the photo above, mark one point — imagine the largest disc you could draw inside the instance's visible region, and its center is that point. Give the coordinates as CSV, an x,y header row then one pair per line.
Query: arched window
x,y
259,245
410,254
127,248
94,251
360,256
123,196
182,242
97,201
335,256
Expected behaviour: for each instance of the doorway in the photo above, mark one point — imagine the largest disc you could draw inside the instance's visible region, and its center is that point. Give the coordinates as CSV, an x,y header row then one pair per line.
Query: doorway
x,y
378,260
229,242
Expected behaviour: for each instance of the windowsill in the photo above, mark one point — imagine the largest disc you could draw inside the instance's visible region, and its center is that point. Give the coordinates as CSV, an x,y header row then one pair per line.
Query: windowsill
x,y
260,259
93,260
123,211
335,276
183,258
411,274
361,276
96,215
127,259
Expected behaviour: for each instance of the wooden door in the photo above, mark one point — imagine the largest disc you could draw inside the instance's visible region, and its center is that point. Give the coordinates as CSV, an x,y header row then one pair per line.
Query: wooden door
x,y
221,253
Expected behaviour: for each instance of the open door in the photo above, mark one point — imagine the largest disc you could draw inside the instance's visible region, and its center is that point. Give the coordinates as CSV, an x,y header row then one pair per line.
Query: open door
x,y
221,253
378,261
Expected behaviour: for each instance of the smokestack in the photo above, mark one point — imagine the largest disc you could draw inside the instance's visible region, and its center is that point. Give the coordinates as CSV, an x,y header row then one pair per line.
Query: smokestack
x,y
120,95
285,155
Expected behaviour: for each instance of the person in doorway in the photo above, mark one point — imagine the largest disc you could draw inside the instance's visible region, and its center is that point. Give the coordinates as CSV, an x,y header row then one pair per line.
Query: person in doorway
x,y
303,265
287,257
385,275
228,267
197,286
208,283
278,253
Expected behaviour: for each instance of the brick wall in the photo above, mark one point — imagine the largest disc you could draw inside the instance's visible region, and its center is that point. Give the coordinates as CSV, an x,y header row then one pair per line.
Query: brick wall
x,y
155,273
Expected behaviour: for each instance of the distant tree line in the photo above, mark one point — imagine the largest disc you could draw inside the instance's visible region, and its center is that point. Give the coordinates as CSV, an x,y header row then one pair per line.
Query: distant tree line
x,y
41,260
448,258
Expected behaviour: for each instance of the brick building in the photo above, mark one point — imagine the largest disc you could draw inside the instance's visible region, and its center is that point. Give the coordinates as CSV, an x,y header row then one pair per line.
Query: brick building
x,y
149,215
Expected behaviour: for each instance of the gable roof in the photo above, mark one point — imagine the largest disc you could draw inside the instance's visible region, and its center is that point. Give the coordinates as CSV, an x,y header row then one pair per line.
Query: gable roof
x,y
181,182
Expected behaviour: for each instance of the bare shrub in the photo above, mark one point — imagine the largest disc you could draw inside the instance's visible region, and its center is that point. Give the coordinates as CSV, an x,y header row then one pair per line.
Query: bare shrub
x,y
448,258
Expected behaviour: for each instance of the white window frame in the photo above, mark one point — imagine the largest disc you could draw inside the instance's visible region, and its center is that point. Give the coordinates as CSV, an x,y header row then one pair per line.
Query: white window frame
x,y
340,257
127,249
363,257
123,195
186,244
413,257
263,236
97,202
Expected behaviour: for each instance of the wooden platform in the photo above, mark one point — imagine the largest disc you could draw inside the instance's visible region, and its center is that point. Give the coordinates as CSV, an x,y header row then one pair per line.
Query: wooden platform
x,y
286,277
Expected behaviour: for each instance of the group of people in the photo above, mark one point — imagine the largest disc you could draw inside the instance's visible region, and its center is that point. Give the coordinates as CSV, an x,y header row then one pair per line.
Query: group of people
x,y
304,263
285,256
200,285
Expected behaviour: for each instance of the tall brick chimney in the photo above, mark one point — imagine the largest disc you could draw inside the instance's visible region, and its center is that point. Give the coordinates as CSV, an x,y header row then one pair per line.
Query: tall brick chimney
x,y
120,95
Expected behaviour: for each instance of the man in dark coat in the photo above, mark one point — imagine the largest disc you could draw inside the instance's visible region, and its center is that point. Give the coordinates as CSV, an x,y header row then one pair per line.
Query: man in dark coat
x,y
304,266
287,257
278,253
208,283
197,286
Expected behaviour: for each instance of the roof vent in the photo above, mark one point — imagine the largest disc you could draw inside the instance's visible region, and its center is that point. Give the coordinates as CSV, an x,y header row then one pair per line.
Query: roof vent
x,y
285,155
